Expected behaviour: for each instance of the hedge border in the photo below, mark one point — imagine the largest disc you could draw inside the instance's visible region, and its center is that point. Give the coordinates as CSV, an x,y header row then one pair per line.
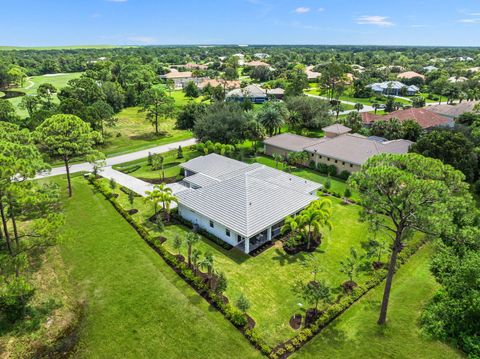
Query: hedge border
x,y
232,314
284,349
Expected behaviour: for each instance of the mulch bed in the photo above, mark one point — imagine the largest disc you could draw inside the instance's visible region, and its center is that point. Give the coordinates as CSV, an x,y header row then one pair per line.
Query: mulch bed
x,y
296,321
303,247
250,322
161,239
311,316
166,180
261,249
348,286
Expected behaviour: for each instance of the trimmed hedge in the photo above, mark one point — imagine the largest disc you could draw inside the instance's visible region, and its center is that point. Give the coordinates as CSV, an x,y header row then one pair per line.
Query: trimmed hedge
x,y
176,217
235,316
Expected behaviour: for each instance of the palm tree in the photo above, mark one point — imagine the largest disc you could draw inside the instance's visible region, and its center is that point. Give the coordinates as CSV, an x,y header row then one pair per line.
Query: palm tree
x,y
191,239
376,106
290,225
153,196
207,262
195,259
358,106
278,158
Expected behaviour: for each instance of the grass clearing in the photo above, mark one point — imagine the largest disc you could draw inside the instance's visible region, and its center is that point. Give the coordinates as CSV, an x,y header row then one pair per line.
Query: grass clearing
x,y
355,333
133,132
137,307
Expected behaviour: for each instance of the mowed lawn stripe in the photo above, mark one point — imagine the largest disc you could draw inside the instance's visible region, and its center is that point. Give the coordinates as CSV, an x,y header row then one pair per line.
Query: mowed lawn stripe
x,y
137,306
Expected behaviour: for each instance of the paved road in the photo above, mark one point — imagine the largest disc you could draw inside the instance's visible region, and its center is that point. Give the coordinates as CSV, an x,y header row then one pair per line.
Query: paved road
x,y
116,160
365,108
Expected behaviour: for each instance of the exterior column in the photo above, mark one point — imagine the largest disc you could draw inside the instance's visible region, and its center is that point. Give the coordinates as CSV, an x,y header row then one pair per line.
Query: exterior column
x,y
269,234
247,245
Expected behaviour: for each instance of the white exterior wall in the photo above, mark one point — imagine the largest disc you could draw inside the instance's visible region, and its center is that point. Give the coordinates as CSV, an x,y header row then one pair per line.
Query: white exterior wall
x,y
204,223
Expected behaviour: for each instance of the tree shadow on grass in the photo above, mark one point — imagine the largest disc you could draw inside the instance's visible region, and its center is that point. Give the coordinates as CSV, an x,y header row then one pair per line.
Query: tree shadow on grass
x,y
31,321
284,258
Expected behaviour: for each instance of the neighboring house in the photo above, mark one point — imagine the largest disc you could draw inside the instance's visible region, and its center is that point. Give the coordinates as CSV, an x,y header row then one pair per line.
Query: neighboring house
x,y
347,152
410,75
455,79
227,84
393,88
358,68
312,75
425,118
430,68
241,59
193,66
257,63
254,93
277,93
260,55
180,79
243,205
453,111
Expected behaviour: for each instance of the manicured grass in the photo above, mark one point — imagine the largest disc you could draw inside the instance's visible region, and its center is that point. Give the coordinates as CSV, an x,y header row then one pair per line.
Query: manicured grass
x,y
133,132
355,333
171,165
136,306
267,279
32,83
440,97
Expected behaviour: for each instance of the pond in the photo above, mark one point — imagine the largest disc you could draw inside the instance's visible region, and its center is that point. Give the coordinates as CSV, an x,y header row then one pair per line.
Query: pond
x,y
6,94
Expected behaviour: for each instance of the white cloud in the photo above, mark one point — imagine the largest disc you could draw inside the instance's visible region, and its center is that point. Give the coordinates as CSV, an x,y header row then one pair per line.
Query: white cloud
x,y
302,10
416,26
374,20
143,40
320,9
469,21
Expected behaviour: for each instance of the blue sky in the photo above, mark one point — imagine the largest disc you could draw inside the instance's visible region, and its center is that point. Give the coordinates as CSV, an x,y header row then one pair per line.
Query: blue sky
x,y
150,22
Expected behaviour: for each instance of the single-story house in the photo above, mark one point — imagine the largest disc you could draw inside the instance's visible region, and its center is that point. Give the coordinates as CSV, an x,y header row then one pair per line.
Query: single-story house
x,y
410,75
425,118
243,205
346,151
430,68
312,75
261,55
194,66
393,88
453,111
257,63
254,93
227,84
456,79
180,79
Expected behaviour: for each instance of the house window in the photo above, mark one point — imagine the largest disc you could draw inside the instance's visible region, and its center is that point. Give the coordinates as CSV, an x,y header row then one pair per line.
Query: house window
x,y
343,163
227,232
239,238
211,224
351,165
336,161
328,159
319,157
311,155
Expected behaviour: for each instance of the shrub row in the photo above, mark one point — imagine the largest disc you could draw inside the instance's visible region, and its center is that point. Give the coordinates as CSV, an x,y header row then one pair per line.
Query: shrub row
x,y
176,217
335,310
235,316
129,169
127,191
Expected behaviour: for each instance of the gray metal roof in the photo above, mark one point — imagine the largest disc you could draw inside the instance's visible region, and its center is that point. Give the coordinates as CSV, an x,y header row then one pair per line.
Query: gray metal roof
x,y
213,165
200,180
246,203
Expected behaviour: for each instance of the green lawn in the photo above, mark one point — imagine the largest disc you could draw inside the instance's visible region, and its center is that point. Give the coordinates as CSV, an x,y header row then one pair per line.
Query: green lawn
x,y
133,132
171,165
136,306
425,95
267,279
32,83
355,334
